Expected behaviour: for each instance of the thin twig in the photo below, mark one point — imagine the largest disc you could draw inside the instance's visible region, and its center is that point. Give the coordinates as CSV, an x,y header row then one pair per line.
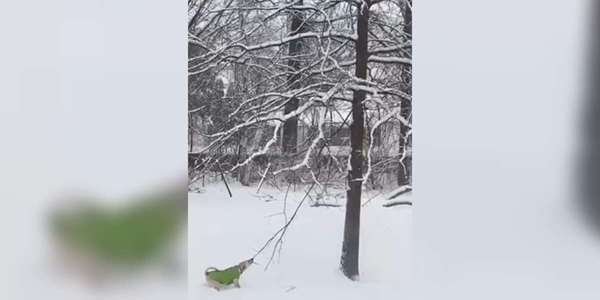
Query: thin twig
x,y
281,232
285,226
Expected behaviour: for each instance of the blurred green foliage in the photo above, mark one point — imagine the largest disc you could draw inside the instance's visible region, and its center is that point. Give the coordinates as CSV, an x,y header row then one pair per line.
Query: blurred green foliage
x,y
129,235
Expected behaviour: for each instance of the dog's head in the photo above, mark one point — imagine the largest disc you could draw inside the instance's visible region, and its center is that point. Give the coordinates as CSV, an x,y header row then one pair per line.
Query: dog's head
x,y
209,270
245,264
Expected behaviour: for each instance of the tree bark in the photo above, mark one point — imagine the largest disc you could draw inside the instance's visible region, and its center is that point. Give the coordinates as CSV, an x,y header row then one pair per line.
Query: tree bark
x,y
290,127
190,136
405,140
589,161
350,246
240,78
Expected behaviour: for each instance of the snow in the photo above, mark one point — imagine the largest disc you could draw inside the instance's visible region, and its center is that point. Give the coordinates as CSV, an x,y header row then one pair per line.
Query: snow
x,y
224,231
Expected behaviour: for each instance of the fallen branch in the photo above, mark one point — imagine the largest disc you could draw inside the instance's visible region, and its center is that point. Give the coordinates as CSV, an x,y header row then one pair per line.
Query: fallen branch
x,y
396,203
262,180
224,180
399,192
319,204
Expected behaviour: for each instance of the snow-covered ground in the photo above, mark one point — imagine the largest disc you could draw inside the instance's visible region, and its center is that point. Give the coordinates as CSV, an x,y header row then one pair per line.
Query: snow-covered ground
x,y
224,231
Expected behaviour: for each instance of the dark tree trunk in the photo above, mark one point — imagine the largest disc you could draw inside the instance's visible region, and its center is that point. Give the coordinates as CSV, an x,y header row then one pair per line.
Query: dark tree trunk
x,y
405,140
290,127
240,78
190,135
350,246
589,164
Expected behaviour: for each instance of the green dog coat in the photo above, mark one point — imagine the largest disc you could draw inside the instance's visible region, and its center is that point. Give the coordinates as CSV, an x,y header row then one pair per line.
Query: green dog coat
x,y
230,276
224,277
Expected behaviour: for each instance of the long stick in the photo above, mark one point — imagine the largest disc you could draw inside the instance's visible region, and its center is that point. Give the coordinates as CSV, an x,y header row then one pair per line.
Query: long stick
x,y
395,203
224,180
284,228
263,178
281,232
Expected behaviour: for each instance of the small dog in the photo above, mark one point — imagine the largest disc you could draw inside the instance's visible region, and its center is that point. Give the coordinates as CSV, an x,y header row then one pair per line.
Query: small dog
x,y
230,277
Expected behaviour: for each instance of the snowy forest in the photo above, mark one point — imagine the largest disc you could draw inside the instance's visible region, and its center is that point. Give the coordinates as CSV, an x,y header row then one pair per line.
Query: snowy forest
x,y
297,103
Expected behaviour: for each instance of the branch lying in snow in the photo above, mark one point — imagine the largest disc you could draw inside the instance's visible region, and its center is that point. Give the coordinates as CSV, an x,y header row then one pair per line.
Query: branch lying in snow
x,y
319,204
396,203
224,180
396,193
399,191
262,180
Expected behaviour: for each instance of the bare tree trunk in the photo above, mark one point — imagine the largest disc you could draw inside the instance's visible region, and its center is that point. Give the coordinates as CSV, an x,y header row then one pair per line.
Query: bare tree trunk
x,y
350,247
290,127
405,140
240,78
190,136
589,170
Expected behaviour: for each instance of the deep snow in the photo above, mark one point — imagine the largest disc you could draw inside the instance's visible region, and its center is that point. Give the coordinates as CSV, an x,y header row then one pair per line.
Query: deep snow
x,y
224,231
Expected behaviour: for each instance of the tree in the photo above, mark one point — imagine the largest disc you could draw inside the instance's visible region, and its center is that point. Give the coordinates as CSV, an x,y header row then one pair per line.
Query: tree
x,y
205,106
350,246
386,39
307,61
405,140
589,170
290,126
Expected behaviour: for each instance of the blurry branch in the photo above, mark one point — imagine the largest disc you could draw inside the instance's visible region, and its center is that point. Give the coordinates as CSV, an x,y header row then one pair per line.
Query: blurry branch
x,y
399,192
279,234
396,203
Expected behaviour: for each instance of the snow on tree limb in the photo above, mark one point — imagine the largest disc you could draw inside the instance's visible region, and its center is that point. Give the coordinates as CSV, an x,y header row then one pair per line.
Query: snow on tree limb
x,y
399,192
394,113
246,43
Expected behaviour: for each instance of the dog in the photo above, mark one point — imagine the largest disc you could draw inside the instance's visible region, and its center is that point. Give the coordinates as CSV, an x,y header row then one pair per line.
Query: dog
x,y
227,278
